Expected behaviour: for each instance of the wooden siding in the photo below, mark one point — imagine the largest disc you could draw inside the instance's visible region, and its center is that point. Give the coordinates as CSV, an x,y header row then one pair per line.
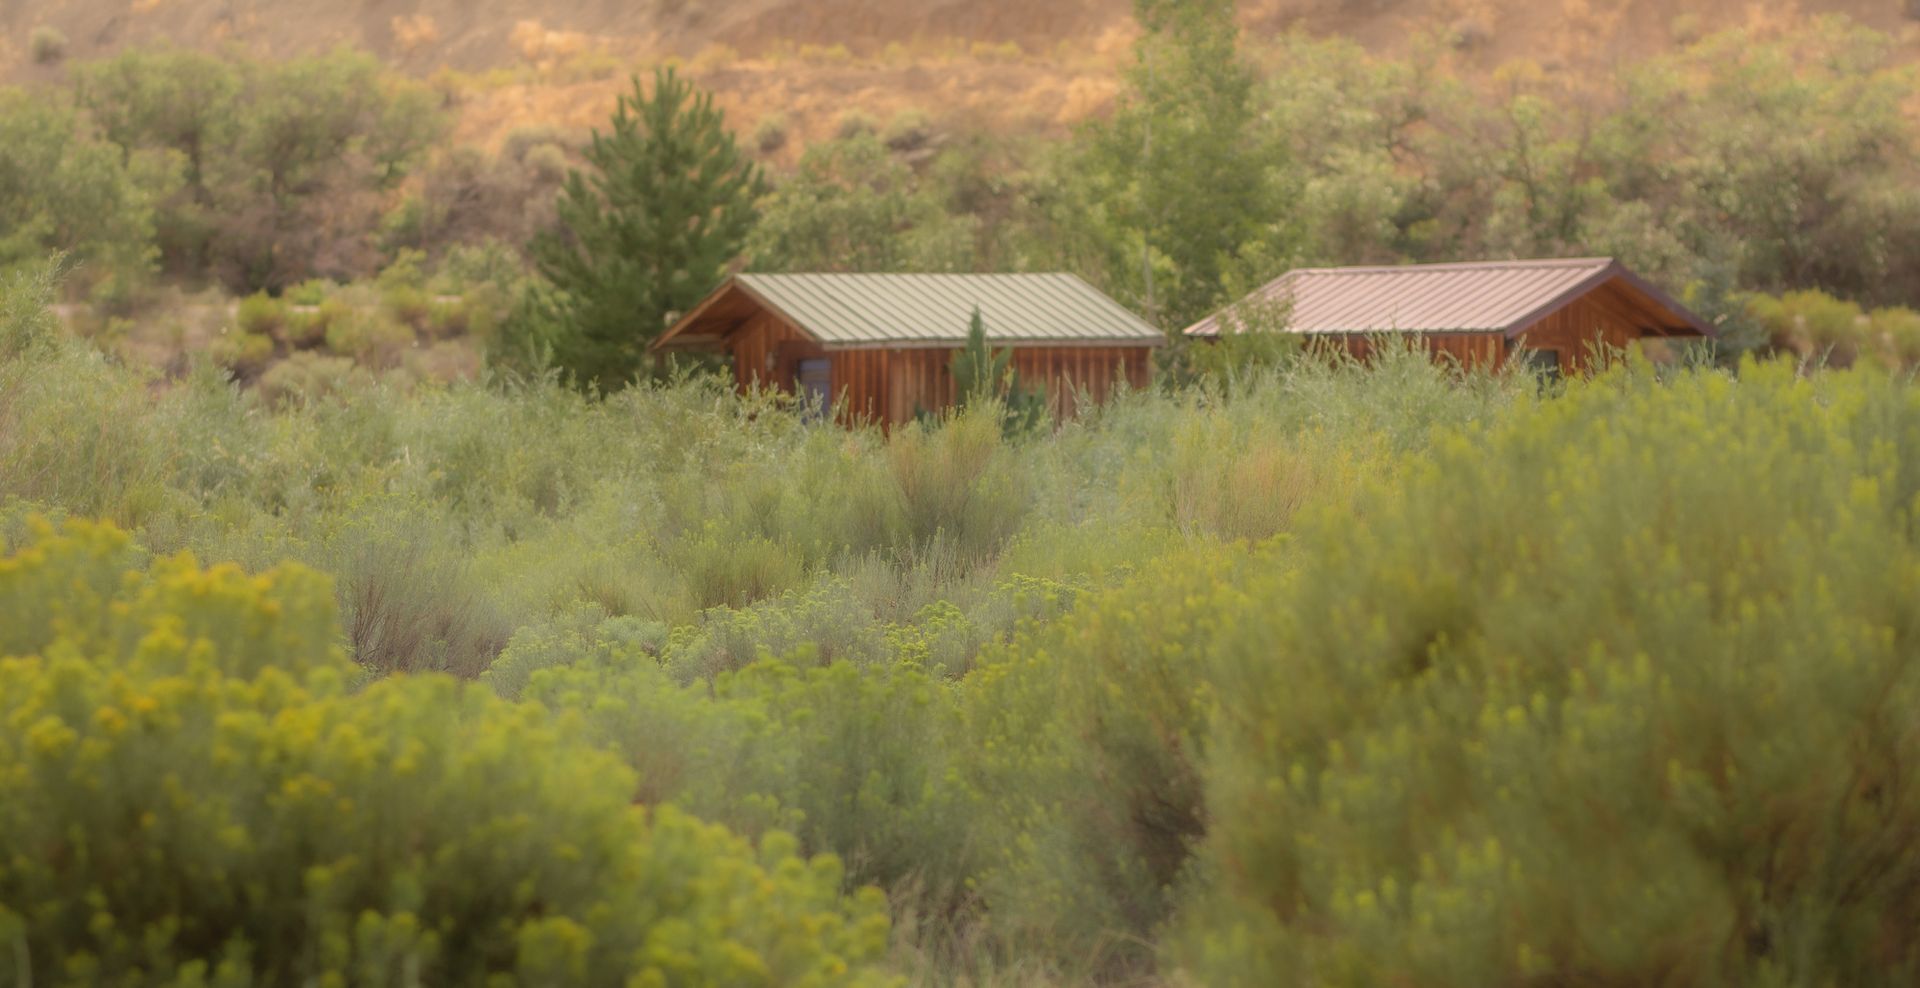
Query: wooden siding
x,y
891,386
766,352
1580,330
894,386
1593,325
1065,372
860,384
1475,351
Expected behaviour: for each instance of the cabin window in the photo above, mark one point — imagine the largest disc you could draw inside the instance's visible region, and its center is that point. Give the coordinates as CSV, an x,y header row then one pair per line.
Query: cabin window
x,y
814,384
1545,363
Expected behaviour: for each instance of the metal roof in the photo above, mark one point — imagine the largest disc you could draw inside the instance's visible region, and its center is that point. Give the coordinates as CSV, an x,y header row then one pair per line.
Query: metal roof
x,y
844,311
1491,296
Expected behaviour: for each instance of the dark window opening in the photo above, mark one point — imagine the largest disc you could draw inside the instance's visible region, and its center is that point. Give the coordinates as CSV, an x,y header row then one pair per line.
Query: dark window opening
x,y
1545,364
814,384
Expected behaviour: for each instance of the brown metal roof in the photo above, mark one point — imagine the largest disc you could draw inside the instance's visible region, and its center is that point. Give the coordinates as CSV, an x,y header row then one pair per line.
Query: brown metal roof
x,y
1482,297
848,311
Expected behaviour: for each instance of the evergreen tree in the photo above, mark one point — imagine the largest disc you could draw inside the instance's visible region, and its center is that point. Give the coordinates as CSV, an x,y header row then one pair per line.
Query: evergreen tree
x,y
981,373
648,230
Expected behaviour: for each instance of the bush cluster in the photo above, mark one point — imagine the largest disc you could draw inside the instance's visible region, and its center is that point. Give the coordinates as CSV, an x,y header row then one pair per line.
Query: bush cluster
x,y
193,796
1308,672
1614,690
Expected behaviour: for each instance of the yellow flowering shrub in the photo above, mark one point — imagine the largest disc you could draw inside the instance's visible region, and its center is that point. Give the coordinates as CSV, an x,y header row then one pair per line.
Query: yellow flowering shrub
x,y
190,794
1618,689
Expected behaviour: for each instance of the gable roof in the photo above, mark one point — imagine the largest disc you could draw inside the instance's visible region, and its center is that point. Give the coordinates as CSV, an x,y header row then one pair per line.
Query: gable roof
x,y
1481,297
850,311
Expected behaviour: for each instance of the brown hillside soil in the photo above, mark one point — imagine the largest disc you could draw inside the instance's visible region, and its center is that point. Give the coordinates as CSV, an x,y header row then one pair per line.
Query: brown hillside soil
x,y
1016,66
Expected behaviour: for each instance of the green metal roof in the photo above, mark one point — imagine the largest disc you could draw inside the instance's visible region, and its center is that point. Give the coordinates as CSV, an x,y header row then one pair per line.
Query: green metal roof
x,y
906,310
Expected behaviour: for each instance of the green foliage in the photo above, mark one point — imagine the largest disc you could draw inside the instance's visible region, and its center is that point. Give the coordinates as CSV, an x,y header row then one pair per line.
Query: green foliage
x,y
261,314
167,723
852,207
372,338
303,377
244,353
284,163
1320,672
1610,690
852,761
1763,160
1089,740
64,190
648,231
311,292
982,375
1251,340
27,322
47,45
1185,191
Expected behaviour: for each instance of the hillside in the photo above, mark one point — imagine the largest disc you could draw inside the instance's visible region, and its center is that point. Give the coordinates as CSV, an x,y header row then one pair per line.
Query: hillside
x,y
1006,64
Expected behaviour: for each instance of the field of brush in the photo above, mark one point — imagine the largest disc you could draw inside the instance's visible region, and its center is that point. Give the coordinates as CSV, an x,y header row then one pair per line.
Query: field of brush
x,y
1325,674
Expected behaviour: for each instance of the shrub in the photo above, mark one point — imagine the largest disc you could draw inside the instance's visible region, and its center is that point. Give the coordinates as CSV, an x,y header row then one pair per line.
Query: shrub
x,y
304,377
1611,691
770,134
245,354
852,125
408,604
853,761
307,327
180,723
1089,737
961,488
314,291
548,162
448,317
909,130
373,338
75,432
1899,332
27,322
47,45
410,306
261,314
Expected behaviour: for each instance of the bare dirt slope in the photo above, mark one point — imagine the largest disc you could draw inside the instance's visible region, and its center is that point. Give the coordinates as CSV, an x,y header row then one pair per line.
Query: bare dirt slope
x,y
482,34
479,34
1029,65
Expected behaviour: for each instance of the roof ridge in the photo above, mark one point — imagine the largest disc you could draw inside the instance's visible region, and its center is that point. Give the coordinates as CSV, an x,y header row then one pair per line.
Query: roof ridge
x,y
1523,263
907,274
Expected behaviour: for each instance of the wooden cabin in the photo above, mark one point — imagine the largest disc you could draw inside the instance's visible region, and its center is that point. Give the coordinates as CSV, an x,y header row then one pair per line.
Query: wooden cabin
x,y
882,344
1559,313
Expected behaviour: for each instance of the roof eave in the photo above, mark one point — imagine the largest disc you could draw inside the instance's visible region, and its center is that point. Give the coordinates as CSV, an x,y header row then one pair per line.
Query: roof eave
x,y
675,336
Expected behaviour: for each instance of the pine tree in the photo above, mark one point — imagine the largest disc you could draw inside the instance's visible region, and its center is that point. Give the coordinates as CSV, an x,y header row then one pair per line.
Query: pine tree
x,y
981,373
647,230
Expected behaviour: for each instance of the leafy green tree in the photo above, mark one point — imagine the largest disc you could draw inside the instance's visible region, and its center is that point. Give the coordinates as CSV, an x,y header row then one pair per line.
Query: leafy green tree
x,y
1191,193
178,101
648,229
286,166
164,98
854,206
62,189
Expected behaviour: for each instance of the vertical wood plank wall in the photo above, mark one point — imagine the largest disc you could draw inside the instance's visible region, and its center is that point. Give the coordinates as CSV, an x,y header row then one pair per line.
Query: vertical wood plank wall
x,y
893,386
1471,350
1578,328
764,349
